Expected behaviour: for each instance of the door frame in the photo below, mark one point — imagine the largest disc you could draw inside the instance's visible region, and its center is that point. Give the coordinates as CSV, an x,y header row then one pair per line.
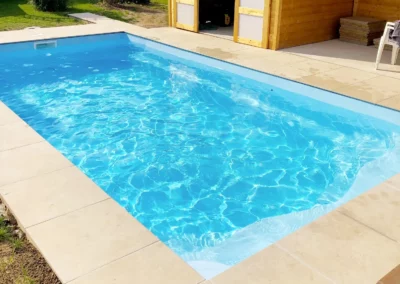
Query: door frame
x,y
195,26
265,14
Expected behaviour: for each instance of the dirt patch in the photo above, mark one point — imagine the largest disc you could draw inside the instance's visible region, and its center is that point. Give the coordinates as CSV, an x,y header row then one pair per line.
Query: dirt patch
x,y
152,20
20,262
147,16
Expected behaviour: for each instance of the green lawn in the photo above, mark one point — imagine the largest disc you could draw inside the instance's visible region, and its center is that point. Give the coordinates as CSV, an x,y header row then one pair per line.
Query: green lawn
x,y
18,14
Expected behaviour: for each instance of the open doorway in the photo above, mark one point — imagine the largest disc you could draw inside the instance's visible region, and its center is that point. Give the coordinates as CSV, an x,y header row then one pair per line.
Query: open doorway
x,y
216,18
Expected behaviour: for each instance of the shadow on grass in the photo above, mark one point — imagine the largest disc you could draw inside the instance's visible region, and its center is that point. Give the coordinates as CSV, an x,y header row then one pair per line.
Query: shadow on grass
x,y
150,9
10,8
51,19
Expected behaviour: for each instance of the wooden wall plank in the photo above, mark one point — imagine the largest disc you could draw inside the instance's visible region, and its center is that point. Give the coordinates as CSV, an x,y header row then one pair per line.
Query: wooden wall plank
x,y
186,27
266,23
355,7
249,42
236,21
275,29
309,21
196,16
382,9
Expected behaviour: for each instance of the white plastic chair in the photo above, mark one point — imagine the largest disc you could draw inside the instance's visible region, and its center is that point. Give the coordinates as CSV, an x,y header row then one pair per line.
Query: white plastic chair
x,y
385,40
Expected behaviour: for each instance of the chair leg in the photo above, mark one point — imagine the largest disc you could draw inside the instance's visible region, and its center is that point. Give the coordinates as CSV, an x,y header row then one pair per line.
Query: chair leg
x,y
395,53
380,51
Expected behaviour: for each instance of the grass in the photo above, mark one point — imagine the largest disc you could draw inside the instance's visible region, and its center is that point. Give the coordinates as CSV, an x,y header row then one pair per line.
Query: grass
x,y
20,14
20,262
7,236
5,231
25,279
17,244
4,234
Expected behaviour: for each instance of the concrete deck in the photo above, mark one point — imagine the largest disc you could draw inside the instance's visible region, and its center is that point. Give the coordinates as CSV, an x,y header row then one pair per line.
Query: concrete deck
x,y
88,238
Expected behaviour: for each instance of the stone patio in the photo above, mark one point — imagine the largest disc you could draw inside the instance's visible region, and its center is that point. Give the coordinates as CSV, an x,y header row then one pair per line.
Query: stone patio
x,y
86,237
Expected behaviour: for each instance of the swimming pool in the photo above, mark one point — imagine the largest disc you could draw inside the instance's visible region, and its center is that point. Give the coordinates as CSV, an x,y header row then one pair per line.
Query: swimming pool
x,y
218,161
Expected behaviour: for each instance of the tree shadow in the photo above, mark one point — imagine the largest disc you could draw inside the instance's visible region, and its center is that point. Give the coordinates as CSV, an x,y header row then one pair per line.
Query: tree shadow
x,y
150,8
10,8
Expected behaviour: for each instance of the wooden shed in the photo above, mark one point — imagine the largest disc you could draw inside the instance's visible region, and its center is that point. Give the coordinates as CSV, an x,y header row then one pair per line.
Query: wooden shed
x,y
277,24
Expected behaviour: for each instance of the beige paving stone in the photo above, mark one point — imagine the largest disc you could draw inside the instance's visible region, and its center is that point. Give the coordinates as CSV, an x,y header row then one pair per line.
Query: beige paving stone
x,y
212,42
383,203
389,70
272,265
29,161
86,239
393,102
289,72
48,196
338,78
266,63
373,90
394,182
215,52
154,264
342,53
60,32
16,135
7,116
90,17
213,49
343,249
315,66
254,53
193,41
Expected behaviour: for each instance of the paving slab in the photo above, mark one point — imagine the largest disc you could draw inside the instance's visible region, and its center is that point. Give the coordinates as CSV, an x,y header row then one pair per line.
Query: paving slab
x,y
392,102
154,264
51,195
58,32
17,135
337,79
382,202
289,72
7,116
267,63
315,66
271,265
29,161
343,249
373,90
84,240
90,17
344,54
394,181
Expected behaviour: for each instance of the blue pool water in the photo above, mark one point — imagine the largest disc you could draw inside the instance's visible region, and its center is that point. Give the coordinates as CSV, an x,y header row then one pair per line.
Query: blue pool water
x,y
216,160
